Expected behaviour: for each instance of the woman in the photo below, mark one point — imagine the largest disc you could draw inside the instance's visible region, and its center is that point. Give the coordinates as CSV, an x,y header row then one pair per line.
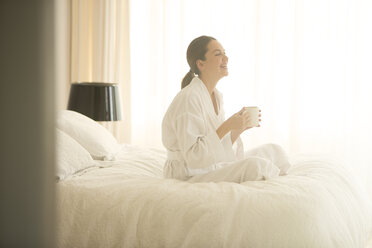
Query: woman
x,y
202,146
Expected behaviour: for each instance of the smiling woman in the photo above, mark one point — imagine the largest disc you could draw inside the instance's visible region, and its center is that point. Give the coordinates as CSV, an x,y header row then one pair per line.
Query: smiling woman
x,y
196,135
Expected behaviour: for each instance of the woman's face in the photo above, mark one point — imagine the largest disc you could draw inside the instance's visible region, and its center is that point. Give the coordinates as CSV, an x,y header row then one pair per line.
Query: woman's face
x,y
215,63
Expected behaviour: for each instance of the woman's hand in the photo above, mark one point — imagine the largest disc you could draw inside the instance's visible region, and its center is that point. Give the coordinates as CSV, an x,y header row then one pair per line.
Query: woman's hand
x,y
235,133
237,124
239,121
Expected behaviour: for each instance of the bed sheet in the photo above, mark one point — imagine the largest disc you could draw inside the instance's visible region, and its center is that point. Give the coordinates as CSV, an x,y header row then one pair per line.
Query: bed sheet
x,y
128,203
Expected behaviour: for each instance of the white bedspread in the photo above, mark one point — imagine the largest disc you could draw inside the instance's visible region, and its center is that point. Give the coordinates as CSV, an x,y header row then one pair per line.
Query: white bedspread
x,y
129,204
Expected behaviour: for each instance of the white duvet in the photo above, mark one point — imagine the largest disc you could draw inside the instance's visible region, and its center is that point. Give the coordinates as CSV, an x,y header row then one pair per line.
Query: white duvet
x,y
129,204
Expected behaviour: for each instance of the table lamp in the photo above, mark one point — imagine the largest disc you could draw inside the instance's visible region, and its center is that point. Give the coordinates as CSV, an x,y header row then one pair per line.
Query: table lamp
x,y
99,101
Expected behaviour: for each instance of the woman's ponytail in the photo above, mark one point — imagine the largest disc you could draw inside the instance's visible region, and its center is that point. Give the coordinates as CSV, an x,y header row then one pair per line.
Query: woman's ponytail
x,y
187,79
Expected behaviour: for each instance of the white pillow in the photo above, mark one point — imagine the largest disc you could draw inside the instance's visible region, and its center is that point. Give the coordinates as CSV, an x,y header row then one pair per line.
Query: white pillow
x,y
95,138
71,156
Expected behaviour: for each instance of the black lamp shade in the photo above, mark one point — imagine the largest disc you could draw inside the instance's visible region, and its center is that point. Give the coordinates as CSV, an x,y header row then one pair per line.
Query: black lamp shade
x,y
98,101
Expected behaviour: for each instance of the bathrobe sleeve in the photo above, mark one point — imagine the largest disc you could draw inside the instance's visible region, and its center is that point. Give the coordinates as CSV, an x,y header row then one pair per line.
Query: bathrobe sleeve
x,y
233,151
200,145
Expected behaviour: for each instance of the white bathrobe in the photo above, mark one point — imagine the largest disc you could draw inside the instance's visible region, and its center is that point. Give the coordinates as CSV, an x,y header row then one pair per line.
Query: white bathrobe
x,y
196,153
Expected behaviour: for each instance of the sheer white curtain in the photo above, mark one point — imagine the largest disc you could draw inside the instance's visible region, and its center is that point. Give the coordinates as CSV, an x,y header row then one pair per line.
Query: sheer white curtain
x,y
305,63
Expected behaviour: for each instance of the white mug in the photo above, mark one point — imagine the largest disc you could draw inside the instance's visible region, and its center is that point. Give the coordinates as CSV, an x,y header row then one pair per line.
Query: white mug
x,y
254,113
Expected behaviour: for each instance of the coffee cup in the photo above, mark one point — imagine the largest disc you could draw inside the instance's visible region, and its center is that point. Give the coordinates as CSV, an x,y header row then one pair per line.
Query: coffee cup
x,y
254,114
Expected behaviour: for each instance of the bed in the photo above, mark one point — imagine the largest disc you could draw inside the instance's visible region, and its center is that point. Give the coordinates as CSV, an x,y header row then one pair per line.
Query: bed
x,y
119,198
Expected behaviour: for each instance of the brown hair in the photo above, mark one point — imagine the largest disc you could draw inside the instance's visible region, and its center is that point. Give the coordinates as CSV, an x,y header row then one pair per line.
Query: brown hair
x,y
196,50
